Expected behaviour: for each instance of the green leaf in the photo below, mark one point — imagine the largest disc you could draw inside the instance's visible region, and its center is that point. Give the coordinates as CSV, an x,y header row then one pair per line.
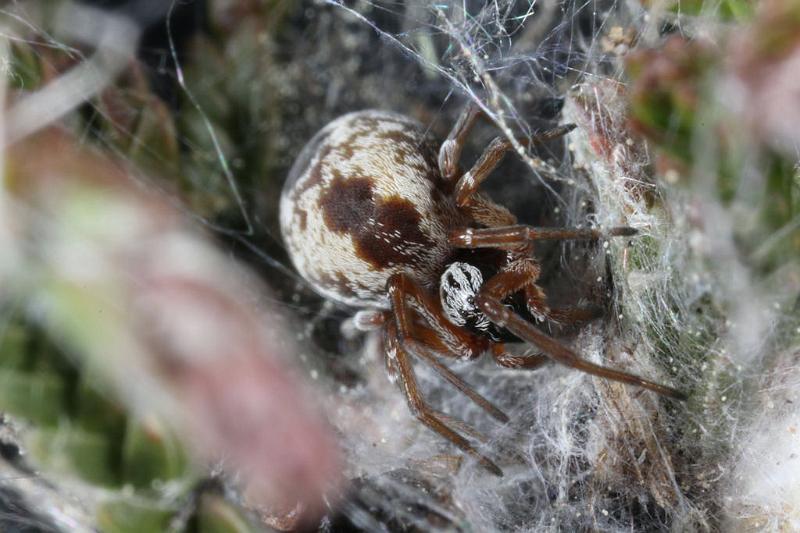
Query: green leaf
x,y
38,398
96,412
71,451
134,516
14,346
215,515
25,72
151,451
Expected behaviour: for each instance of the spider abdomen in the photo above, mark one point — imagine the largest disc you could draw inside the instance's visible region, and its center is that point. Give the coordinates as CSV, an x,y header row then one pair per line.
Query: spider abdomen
x,y
365,200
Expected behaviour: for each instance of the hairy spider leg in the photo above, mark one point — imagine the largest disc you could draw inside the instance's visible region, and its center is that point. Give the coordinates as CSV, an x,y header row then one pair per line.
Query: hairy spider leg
x,y
573,315
390,340
439,338
469,183
505,237
505,359
450,151
431,344
490,300
397,333
522,271
451,148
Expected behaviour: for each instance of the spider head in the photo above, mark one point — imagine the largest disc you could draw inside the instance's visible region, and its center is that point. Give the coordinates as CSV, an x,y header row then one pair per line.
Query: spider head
x,y
458,289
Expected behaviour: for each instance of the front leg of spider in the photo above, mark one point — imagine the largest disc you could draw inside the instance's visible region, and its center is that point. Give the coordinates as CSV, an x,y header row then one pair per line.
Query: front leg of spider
x,y
490,301
397,334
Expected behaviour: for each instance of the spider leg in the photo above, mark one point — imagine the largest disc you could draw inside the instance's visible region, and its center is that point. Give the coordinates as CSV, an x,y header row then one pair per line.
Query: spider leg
x,y
507,360
439,338
522,274
450,151
483,211
392,368
421,350
490,300
463,427
505,237
572,315
492,156
464,344
398,358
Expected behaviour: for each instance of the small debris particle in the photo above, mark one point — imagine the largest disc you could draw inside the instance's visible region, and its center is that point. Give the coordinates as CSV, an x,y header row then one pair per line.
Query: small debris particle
x,y
671,177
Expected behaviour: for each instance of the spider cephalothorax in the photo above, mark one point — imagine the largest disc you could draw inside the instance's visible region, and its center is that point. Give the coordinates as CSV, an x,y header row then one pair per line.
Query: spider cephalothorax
x,y
372,218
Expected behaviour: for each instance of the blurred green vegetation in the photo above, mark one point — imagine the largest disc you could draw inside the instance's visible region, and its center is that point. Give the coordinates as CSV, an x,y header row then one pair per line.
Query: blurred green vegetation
x,y
726,10
678,102
75,429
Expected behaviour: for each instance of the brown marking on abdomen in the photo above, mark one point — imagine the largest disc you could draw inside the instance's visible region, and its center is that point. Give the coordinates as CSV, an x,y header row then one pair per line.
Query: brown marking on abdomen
x,y
347,203
384,233
400,239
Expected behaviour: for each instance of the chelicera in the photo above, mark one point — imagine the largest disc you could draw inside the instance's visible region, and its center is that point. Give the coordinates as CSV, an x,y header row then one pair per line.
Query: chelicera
x,y
374,219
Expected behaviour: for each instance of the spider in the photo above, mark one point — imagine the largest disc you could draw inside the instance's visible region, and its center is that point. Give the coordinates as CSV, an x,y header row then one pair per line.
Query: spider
x,y
373,219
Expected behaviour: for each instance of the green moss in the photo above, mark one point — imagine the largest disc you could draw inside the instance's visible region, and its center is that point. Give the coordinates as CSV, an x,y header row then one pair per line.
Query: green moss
x,y
14,342
151,452
37,398
96,411
728,10
644,252
127,515
215,515
25,73
74,452
138,124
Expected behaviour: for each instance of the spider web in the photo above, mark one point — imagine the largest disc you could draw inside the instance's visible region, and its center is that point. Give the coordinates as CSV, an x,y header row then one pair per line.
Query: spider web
x,y
580,453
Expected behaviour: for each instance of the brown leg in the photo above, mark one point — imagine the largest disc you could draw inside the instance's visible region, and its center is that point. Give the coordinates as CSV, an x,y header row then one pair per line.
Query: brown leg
x,y
515,236
462,427
399,360
522,274
490,300
572,315
462,343
484,212
442,337
450,151
492,156
526,362
423,349
456,381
